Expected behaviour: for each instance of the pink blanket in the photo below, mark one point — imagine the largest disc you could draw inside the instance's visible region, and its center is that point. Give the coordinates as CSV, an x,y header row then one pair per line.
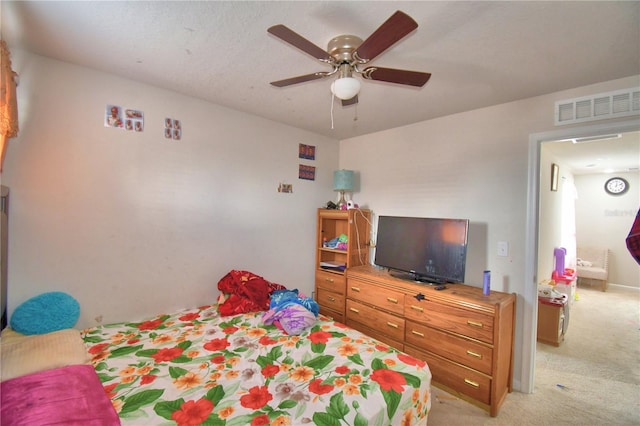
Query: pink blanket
x,y
70,395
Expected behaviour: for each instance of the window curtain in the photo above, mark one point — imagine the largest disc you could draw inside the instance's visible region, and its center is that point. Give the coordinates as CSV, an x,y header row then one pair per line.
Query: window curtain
x,y
8,101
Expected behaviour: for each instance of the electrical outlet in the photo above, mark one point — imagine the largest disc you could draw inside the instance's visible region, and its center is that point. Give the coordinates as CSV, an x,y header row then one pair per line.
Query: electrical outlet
x,y
503,248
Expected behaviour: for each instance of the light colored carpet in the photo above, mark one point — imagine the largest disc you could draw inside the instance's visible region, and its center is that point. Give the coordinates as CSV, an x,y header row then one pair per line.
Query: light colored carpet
x,y
598,364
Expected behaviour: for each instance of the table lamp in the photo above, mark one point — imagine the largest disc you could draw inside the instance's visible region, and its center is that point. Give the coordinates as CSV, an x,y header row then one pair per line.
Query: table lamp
x,y
342,181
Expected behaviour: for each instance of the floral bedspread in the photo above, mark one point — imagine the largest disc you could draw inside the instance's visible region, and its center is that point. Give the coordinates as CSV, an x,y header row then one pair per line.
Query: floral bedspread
x,y
195,367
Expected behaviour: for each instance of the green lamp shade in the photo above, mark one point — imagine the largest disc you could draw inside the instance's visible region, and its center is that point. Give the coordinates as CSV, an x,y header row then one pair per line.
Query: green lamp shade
x,y
343,180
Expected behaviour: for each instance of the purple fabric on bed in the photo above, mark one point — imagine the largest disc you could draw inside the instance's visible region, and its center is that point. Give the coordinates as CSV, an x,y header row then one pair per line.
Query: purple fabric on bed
x,y
71,395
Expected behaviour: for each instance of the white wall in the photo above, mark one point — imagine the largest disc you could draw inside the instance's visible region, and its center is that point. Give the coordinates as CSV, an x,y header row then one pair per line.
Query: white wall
x,y
551,214
471,165
133,224
605,221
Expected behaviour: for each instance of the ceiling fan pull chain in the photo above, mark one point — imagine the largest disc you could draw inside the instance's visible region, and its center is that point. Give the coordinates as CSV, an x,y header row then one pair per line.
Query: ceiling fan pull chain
x,y
333,100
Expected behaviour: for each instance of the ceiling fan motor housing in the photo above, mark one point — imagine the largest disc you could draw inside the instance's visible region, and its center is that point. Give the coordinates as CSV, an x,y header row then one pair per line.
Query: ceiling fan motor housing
x,y
343,46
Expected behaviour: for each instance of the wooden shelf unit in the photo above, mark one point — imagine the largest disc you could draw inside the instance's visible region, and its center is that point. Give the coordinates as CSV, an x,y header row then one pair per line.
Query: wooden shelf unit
x,y
465,337
331,284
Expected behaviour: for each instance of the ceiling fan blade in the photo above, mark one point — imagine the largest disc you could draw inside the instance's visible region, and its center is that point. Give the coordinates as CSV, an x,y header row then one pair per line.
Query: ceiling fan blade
x,y
300,42
352,101
299,79
393,29
390,75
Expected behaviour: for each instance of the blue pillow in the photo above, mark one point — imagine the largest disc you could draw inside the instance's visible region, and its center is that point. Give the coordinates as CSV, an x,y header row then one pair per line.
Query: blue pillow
x,y
45,313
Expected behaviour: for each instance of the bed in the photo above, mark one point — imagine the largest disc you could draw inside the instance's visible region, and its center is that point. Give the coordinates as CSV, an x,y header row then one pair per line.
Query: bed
x,y
197,366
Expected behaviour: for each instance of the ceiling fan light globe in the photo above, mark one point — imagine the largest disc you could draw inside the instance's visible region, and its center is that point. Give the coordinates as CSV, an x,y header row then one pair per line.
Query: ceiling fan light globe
x,y
345,88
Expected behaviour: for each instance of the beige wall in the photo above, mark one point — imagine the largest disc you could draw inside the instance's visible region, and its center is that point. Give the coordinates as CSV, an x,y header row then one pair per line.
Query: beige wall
x,y
604,221
132,224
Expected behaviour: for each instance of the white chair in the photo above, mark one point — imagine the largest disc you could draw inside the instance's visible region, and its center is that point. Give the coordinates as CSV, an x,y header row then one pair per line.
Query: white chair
x,y
593,264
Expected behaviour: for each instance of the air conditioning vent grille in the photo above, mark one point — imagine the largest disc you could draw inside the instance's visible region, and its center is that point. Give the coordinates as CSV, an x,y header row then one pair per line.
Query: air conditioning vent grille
x,y
619,103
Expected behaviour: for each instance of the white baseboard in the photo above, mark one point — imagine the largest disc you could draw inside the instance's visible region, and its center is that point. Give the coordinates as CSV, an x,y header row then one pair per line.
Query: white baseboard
x,y
625,286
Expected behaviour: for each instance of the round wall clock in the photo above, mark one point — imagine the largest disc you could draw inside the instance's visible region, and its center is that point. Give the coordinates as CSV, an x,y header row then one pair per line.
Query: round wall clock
x,y
616,186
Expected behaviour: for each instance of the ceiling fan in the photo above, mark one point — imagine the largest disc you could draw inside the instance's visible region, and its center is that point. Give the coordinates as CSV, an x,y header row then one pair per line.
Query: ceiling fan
x,y
346,53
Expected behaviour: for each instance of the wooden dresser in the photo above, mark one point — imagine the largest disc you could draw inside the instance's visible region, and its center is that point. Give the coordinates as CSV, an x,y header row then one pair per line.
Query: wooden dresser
x,y
465,337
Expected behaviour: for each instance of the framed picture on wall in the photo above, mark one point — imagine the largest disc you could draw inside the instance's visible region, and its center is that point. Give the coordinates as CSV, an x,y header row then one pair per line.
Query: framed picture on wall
x,y
306,172
307,152
555,172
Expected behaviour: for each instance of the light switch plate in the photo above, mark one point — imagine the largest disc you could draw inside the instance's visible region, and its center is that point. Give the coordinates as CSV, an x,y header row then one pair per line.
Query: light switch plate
x,y
503,248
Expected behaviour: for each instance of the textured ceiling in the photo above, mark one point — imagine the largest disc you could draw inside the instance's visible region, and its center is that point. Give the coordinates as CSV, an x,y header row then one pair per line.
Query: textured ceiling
x,y
480,53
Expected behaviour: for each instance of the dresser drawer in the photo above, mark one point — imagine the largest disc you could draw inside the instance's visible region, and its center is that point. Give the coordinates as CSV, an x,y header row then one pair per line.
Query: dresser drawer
x,y
334,315
461,379
376,335
385,323
467,322
381,297
330,281
330,300
467,352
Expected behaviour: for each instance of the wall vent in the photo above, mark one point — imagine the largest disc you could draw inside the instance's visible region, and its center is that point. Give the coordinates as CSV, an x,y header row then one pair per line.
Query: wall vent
x,y
619,103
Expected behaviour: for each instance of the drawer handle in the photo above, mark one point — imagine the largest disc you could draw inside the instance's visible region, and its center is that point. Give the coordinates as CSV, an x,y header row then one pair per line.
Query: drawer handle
x,y
475,323
472,383
392,300
417,308
329,280
474,354
354,310
417,333
331,299
390,324
355,289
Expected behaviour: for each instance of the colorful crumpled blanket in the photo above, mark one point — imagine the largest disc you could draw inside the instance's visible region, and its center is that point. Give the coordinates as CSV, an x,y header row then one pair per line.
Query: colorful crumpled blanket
x,y
244,291
291,312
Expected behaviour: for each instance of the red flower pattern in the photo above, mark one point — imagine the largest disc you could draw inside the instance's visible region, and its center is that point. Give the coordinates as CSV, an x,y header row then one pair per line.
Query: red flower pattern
x,y
266,341
218,359
389,380
257,398
109,390
317,388
382,348
164,355
260,420
189,317
216,345
149,325
343,369
270,370
319,337
193,413
147,378
96,349
409,360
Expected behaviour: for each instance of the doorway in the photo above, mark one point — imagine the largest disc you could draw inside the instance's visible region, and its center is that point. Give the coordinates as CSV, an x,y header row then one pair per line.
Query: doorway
x,y
531,245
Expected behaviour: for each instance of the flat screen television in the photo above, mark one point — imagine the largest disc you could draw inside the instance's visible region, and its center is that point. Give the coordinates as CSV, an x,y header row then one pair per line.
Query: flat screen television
x,y
429,250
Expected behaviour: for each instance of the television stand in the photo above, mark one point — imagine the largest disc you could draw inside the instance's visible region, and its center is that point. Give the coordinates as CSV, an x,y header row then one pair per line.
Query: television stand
x,y
465,337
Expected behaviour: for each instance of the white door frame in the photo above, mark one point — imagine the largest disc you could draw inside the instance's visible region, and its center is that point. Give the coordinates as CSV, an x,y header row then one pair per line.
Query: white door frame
x,y
530,314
